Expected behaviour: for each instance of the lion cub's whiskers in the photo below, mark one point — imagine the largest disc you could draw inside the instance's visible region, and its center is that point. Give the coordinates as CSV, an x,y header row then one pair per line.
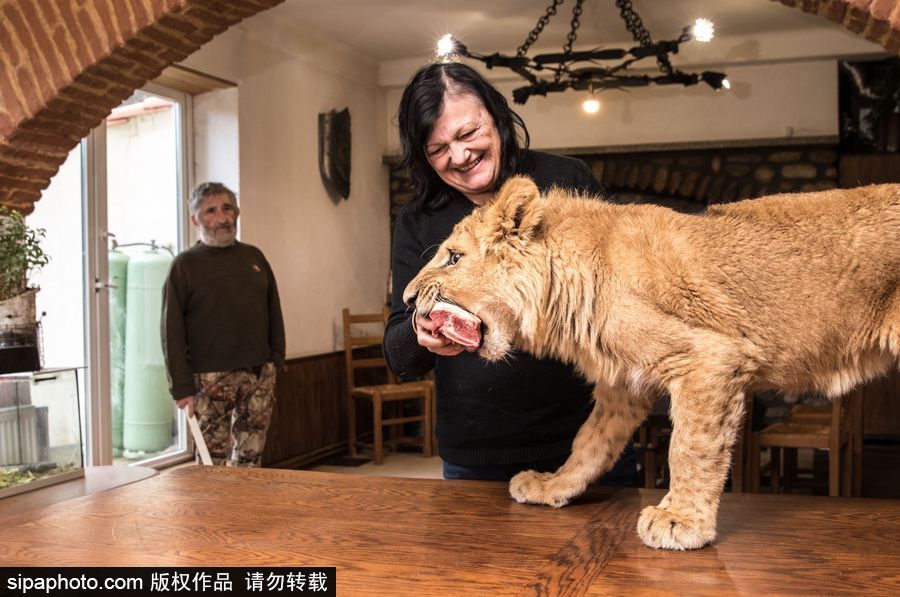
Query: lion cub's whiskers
x,y
434,246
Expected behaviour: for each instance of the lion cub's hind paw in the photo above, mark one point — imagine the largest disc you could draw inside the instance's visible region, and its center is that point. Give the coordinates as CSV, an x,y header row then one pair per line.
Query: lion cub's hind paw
x,y
663,529
532,487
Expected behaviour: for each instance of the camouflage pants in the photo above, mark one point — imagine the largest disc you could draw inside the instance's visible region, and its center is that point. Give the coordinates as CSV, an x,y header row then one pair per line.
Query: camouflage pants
x,y
234,409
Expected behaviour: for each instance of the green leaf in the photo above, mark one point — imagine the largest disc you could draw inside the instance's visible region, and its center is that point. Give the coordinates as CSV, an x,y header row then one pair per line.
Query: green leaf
x,y
20,253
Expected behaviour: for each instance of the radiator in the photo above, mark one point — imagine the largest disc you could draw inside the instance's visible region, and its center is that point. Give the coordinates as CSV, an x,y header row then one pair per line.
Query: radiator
x,y
23,435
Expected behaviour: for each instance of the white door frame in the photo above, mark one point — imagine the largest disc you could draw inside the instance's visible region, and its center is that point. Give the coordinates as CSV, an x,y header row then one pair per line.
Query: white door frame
x,y
98,405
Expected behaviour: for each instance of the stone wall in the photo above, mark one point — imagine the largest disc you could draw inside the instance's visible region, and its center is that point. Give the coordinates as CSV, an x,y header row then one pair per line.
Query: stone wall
x,y
690,179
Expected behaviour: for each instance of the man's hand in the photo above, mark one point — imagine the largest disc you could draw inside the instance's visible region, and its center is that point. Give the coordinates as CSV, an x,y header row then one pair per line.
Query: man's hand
x,y
187,401
438,344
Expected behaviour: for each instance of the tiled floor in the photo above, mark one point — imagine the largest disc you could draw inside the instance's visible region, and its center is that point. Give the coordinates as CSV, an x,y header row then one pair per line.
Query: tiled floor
x,y
400,464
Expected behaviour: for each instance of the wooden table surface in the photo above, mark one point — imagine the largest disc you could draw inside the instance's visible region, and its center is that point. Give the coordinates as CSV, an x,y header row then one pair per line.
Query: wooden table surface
x,y
389,536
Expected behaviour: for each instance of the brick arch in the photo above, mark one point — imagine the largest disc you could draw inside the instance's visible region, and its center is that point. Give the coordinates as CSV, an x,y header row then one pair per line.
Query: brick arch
x,y
876,20
67,63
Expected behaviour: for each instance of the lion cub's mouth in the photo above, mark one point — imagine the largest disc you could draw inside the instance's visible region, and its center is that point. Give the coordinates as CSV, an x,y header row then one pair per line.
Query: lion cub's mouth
x,y
457,324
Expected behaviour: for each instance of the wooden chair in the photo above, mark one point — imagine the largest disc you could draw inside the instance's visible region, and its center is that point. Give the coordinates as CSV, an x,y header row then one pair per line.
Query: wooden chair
x,y
836,427
652,442
392,393
652,439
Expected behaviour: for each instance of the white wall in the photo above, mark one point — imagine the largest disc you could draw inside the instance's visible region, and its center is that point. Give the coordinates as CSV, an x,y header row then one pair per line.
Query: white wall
x,y
770,101
326,253
784,84
754,108
62,280
216,137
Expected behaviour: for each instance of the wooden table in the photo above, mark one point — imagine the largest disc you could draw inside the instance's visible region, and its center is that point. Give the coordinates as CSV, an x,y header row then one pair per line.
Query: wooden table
x,y
389,536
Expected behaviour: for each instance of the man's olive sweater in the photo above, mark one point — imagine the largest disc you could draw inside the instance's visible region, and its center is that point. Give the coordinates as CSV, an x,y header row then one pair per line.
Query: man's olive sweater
x,y
220,313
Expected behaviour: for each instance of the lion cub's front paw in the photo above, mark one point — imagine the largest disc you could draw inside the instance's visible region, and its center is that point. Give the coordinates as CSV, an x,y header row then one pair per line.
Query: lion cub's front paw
x,y
532,487
661,528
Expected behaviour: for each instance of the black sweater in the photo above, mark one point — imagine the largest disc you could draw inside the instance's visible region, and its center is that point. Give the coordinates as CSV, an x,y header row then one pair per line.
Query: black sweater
x,y
220,313
520,410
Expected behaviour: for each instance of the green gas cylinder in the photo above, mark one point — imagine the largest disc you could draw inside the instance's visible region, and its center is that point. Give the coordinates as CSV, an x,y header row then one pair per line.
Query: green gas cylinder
x,y
118,274
148,407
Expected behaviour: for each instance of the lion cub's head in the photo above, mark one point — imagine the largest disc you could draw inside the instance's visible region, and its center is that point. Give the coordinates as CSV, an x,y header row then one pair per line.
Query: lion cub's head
x,y
492,266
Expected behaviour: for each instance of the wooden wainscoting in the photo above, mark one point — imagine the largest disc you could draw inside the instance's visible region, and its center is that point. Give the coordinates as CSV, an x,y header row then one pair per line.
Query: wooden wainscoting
x,y
881,407
858,169
310,410
310,419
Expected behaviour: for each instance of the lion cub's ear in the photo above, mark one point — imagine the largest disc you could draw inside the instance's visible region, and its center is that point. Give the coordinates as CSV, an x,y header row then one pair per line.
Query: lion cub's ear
x,y
517,211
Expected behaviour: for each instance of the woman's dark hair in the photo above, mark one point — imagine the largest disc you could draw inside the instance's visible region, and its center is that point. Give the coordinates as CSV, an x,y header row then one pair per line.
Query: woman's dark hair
x,y
420,107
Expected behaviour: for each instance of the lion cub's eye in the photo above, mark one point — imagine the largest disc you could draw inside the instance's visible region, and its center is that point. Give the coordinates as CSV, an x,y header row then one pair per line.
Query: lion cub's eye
x,y
454,257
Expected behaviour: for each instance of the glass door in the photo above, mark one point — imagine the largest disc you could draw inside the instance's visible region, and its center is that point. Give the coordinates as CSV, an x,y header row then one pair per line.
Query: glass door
x,y
114,217
145,191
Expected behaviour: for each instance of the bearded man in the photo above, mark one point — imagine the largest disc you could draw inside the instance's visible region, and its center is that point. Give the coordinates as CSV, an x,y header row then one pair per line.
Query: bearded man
x,y
223,332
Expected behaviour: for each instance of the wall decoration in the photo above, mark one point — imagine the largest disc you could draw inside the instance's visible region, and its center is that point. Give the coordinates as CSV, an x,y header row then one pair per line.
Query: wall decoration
x,y
334,151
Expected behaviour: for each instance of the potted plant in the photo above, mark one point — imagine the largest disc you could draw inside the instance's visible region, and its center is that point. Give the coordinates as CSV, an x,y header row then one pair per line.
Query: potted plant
x,y
20,257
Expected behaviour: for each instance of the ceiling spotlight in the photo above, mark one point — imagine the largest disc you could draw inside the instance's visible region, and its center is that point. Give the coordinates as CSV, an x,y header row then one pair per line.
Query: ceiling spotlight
x,y
715,80
446,47
703,30
591,105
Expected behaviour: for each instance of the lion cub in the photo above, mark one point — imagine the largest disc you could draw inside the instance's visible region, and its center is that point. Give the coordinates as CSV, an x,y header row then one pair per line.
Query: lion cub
x,y
791,292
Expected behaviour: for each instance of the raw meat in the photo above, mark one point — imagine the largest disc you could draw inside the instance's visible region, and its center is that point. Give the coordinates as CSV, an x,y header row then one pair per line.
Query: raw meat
x,y
457,324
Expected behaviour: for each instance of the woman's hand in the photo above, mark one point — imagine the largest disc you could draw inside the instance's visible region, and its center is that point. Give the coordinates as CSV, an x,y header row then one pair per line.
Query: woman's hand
x,y
436,343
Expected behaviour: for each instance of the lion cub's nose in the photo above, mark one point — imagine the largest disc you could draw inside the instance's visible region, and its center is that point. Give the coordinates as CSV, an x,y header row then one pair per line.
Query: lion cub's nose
x,y
409,297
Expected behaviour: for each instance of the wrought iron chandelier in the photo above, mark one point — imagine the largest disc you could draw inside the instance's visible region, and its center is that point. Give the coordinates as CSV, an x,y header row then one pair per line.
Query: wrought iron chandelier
x,y
584,70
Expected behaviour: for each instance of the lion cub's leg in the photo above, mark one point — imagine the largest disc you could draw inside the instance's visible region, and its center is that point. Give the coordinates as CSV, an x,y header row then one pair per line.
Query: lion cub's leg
x,y
595,449
705,425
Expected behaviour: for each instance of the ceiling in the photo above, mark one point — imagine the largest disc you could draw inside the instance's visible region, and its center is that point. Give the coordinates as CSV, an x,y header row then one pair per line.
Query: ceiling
x,y
395,29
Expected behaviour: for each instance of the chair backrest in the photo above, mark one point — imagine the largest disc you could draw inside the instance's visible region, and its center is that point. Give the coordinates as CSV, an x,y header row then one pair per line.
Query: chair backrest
x,y
355,363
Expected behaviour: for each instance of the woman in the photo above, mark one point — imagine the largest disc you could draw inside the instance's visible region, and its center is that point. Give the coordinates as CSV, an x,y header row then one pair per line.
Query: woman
x,y
460,143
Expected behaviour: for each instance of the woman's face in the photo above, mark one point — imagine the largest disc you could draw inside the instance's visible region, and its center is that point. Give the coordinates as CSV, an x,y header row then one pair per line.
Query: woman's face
x,y
464,147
